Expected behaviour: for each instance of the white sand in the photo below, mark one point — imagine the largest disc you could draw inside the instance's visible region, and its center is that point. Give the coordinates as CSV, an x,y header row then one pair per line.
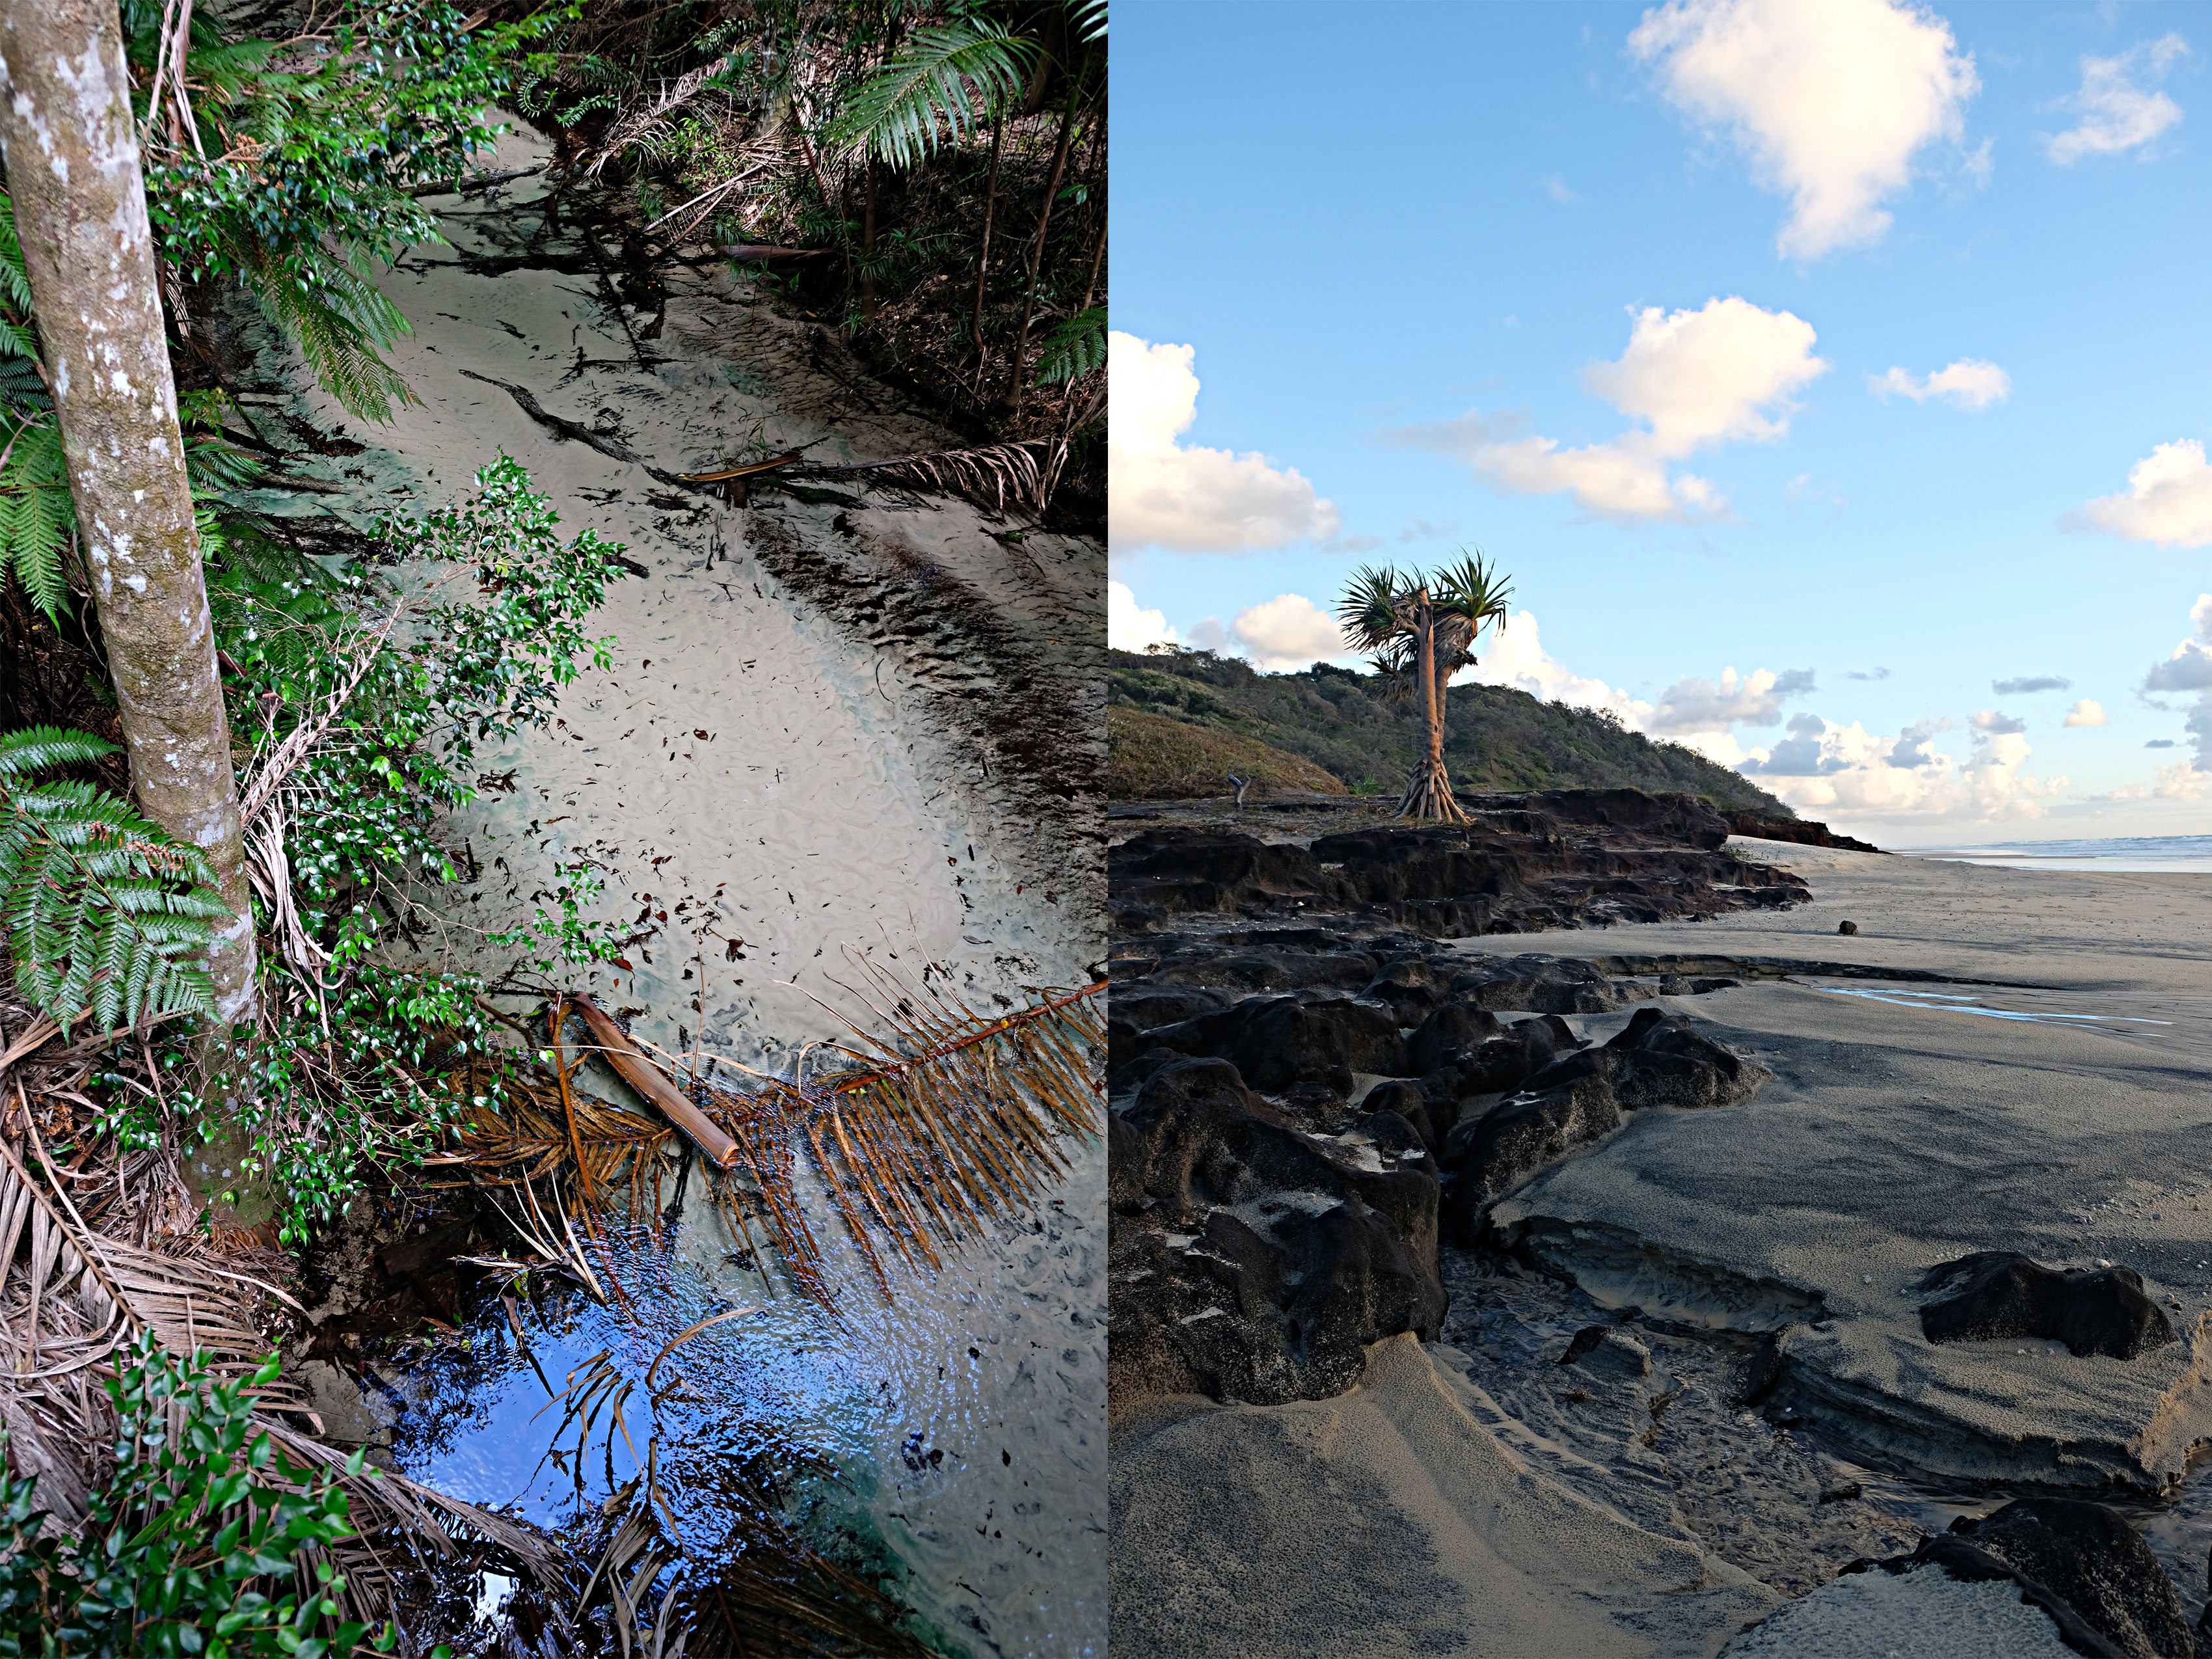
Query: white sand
x,y
837,801
1386,1522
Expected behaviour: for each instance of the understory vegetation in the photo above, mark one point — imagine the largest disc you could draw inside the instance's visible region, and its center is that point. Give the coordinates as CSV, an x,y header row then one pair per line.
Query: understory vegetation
x,y
1496,737
931,178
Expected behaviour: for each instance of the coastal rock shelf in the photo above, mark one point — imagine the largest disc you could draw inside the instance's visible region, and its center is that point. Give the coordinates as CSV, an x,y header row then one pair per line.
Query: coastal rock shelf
x,y
1578,858
1788,1244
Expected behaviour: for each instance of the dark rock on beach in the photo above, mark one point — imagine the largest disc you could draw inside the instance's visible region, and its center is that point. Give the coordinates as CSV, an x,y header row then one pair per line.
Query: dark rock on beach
x,y
1657,1059
2000,1295
1278,1040
1270,1219
2081,1563
1522,862
2088,1555
1253,1262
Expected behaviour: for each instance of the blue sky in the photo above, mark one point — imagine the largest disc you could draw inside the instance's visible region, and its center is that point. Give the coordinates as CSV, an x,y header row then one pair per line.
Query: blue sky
x,y
1812,370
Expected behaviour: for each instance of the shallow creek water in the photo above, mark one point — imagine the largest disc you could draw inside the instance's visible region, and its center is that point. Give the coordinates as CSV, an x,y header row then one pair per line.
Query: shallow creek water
x,y
857,725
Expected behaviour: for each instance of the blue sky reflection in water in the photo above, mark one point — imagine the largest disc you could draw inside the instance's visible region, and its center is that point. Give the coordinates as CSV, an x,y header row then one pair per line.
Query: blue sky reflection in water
x,y
1827,377
955,1434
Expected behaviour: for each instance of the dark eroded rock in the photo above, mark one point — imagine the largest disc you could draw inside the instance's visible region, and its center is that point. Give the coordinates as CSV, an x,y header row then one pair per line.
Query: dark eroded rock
x,y
1520,1136
2087,1555
1450,1032
1276,1042
2000,1294
1251,1261
1668,1062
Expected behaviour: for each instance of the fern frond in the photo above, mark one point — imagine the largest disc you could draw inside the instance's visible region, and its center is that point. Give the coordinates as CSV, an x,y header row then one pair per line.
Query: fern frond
x,y
897,112
1074,348
1090,17
42,747
105,913
36,516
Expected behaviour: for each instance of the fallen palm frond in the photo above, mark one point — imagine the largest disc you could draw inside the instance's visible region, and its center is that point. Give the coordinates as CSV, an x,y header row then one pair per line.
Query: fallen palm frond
x,y
1022,473
74,1297
930,1136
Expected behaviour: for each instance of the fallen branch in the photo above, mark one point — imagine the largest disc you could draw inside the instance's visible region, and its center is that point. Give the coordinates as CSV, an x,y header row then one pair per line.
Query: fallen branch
x,y
641,1074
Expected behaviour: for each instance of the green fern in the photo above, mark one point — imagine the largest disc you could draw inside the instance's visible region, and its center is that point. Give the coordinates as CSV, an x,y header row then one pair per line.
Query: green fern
x,y
105,913
1090,18
896,112
1074,348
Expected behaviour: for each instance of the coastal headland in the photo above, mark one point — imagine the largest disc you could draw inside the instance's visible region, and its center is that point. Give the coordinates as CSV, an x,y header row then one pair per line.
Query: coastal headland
x,y
1700,1276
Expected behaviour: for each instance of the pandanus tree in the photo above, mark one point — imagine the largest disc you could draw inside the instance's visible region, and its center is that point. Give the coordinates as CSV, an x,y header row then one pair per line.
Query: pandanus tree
x,y
1422,627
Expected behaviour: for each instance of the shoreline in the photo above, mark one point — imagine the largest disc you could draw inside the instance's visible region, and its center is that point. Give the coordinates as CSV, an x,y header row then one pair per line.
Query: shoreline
x,y
1777,1236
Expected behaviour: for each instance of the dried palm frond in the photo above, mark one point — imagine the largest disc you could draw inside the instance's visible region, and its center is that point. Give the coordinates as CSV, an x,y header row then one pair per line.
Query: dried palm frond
x,y
934,1132
1022,473
73,1295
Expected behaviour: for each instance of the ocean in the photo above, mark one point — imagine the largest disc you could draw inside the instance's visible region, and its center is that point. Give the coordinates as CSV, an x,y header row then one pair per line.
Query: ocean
x,y
2189,854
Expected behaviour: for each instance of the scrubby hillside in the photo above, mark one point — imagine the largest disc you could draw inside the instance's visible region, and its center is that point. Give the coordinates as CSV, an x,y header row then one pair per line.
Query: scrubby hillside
x,y
1495,738
1153,757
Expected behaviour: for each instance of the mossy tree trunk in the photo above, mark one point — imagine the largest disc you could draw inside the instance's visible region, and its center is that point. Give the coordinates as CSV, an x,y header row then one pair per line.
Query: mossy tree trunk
x,y
73,166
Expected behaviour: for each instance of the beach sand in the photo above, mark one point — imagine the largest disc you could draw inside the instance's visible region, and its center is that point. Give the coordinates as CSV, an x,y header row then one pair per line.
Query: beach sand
x,y
1422,1512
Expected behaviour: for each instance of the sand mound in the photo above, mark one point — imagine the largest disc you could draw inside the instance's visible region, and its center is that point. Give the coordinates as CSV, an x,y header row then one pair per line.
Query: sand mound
x,y
1387,1521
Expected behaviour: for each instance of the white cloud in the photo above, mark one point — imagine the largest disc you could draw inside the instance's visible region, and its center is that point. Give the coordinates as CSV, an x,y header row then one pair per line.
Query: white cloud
x,y
1997,724
1129,629
1194,499
1516,656
1846,771
1556,188
2168,499
1692,705
1289,631
2119,112
1969,383
2087,712
1830,102
1722,373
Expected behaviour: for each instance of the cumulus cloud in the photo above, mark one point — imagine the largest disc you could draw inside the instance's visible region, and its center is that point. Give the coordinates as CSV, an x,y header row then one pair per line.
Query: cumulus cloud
x,y
2087,712
1515,656
1699,705
2119,109
1846,771
1129,628
1289,631
1998,724
2030,683
1830,102
1187,498
2168,499
2190,667
1721,374
1970,384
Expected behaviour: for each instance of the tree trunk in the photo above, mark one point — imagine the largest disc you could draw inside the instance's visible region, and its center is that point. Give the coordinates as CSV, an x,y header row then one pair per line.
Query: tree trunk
x,y
1428,792
1016,377
72,158
868,249
983,263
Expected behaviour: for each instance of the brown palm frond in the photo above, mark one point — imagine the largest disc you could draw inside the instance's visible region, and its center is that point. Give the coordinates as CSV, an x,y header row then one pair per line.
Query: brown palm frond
x,y
927,1136
1022,473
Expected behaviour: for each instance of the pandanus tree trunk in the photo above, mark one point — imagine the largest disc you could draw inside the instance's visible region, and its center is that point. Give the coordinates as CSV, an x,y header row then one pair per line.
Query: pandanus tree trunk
x,y
1428,791
73,166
